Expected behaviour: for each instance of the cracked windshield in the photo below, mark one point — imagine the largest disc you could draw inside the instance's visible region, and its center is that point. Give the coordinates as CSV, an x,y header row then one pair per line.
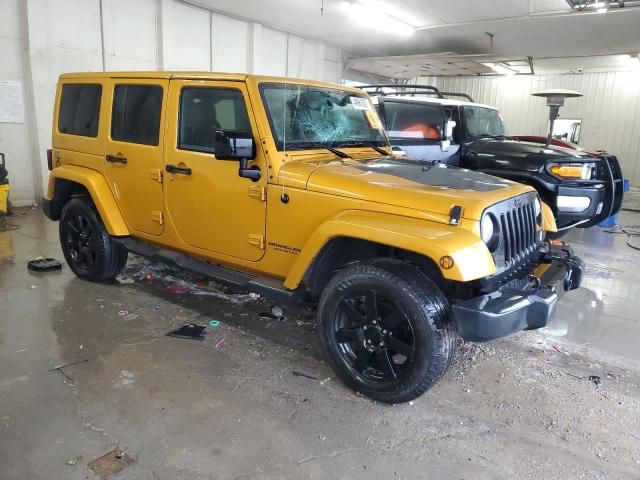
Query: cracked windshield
x,y
304,116
484,122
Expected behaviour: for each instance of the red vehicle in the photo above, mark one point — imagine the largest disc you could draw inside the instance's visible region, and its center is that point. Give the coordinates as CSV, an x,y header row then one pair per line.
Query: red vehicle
x,y
559,142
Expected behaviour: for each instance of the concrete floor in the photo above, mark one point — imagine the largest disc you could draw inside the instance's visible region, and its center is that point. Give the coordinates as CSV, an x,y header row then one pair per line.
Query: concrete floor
x,y
521,407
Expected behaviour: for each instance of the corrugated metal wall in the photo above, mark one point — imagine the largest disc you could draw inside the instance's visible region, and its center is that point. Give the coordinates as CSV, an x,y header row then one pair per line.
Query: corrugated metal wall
x,y
609,110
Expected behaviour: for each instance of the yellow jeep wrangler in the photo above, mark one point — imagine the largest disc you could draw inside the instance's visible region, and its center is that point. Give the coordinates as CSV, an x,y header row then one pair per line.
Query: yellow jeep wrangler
x,y
288,188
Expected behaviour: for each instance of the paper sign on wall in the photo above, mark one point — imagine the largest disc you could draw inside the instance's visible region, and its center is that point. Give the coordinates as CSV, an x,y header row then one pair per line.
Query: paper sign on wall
x,y
11,102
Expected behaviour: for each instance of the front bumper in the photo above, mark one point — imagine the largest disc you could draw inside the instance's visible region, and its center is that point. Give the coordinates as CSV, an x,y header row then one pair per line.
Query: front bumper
x,y
509,310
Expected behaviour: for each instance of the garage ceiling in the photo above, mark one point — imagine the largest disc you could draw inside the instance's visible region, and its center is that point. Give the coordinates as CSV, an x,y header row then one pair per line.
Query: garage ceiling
x,y
521,28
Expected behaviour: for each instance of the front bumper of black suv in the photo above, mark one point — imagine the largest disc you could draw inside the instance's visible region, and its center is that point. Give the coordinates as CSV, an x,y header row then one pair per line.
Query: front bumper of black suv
x,y
508,310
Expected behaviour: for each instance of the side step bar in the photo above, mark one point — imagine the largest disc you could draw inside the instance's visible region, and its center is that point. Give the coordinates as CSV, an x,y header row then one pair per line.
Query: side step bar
x,y
264,286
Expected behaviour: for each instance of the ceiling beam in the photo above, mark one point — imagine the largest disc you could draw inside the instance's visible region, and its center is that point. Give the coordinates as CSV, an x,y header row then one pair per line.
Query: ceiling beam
x,y
531,16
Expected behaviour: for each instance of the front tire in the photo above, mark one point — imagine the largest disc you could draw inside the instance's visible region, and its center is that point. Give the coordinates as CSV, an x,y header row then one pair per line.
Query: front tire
x,y
386,330
86,244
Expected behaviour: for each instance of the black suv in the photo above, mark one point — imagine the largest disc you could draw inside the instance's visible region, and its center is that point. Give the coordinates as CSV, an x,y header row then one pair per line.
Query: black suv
x,y
581,189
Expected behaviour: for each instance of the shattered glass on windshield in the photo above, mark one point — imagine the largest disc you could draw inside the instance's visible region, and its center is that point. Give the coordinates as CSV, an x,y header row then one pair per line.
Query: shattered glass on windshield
x,y
303,115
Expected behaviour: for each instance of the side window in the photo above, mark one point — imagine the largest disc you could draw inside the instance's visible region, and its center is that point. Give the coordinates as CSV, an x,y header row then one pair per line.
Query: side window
x,y
136,113
417,122
205,110
79,109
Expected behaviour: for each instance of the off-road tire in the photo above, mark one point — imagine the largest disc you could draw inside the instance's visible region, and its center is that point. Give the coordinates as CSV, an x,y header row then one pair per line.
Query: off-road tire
x,y
424,307
109,258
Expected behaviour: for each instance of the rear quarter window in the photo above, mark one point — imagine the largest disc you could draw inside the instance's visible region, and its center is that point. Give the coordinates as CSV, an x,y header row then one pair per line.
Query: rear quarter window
x,y
79,111
136,113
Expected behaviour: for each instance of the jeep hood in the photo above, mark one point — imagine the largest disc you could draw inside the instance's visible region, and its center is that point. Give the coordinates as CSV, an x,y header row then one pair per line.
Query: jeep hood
x,y
527,155
408,183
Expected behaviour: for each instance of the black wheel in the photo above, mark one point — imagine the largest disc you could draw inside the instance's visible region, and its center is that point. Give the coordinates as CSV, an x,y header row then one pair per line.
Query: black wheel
x,y
86,244
386,330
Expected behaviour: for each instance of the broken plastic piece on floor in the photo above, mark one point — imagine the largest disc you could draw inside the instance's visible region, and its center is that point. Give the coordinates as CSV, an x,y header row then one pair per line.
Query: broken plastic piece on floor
x,y
191,331
73,461
41,264
177,288
299,373
214,323
220,342
110,463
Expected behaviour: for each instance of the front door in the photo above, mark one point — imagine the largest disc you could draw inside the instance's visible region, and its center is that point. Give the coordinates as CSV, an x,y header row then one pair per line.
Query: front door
x,y
212,207
134,151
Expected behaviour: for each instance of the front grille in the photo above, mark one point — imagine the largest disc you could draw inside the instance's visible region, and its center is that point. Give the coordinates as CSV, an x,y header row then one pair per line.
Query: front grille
x,y
518,227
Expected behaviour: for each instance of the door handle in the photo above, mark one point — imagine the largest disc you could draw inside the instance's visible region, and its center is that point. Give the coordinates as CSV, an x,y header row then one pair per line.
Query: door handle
x,y
181,170
116,159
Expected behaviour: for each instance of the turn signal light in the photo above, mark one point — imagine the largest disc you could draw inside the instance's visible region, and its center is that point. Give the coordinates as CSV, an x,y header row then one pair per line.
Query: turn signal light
x,y
446,262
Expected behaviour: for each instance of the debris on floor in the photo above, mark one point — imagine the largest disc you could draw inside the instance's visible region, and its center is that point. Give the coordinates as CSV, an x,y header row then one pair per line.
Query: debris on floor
x,y
191,332
276,313
110,463
595,379
220,342
42,264
178,282
214,323
299,373
73,461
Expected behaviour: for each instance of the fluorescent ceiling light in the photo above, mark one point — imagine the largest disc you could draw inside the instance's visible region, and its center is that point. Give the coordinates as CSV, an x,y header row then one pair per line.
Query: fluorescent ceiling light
x,y
500,68
393,11
366,14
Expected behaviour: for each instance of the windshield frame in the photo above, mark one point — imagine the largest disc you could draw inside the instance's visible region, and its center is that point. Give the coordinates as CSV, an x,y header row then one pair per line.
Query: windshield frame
x,y
468,132
311,145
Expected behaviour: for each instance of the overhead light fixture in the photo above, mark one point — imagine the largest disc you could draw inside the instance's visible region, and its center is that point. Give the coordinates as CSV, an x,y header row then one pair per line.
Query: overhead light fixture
x,y
500,68
599,6
380,16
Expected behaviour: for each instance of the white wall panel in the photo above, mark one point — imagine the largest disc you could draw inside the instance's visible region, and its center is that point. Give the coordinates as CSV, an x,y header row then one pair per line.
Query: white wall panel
x,y
305,58
130,41
188,44
229,44
270,52
15,139
609,110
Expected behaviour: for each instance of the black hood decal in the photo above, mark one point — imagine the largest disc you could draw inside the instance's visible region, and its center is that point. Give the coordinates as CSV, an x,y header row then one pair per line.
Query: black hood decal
x,y
438,175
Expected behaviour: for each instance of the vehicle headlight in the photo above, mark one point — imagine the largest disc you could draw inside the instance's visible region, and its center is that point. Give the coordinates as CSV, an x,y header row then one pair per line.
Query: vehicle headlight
x,y
573,171
537,209
489,232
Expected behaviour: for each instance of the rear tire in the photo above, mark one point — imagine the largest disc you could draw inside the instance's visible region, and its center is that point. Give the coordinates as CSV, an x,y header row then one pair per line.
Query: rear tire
x,y
386,329
86,244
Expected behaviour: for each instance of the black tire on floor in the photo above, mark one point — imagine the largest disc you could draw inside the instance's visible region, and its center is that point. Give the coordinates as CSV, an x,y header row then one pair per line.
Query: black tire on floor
x,y
86,244
386,329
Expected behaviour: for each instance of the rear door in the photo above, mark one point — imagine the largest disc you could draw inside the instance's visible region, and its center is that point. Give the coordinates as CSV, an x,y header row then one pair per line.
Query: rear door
x,y
134,151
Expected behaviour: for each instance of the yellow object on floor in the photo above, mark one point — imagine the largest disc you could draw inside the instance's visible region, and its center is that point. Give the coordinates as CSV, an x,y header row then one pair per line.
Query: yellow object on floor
x,y
4,199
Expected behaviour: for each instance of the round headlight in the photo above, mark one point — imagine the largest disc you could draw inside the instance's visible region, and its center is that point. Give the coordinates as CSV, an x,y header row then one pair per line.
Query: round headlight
x,y
490,232
486,228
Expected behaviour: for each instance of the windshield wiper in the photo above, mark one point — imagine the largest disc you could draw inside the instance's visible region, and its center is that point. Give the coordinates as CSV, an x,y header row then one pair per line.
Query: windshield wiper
x,y
305,145
363,144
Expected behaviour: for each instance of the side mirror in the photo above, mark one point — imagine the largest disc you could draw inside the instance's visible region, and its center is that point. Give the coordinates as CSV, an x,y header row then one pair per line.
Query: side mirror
x,y
236,145
445,143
